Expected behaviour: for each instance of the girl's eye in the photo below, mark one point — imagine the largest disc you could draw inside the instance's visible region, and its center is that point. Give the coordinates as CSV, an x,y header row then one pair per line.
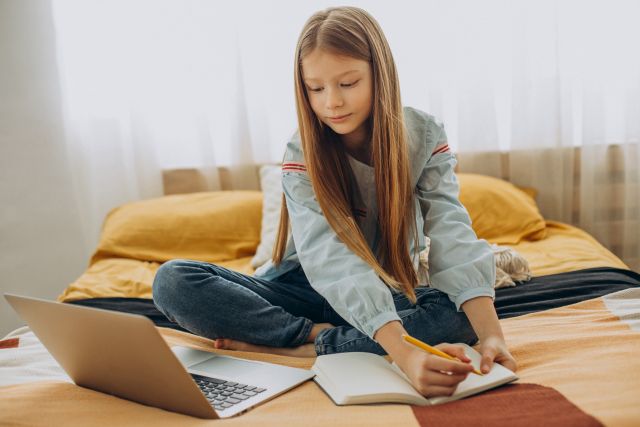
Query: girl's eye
x,y
343,85
349,84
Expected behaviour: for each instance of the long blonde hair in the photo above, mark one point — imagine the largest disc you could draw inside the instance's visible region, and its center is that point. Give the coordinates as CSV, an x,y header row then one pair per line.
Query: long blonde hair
x,y
352,32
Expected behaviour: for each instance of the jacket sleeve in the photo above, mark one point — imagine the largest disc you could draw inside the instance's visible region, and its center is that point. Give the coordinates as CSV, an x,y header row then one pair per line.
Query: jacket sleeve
x,y
460,264
347,282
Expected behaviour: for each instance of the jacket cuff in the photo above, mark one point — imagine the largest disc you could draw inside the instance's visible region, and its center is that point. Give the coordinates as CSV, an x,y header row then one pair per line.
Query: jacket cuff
x,y
372,326
480,291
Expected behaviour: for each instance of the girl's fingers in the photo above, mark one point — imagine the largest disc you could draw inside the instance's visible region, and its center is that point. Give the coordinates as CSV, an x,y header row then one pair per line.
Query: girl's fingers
x,y
437,390
488,357
444,379
454,350
438,363
508,363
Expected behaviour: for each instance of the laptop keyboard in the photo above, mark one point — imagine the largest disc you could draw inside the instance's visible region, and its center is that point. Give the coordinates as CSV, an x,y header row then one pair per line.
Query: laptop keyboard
x,y
224,394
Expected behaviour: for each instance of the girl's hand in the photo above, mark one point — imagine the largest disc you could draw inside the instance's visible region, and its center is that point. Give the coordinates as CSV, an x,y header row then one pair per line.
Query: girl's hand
x,y
434,375
494,349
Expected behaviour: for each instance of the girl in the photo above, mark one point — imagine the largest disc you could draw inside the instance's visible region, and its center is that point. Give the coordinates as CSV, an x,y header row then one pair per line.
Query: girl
x,y
364,181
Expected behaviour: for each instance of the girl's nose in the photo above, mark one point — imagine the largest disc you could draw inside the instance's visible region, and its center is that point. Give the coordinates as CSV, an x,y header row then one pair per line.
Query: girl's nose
x,y
334,99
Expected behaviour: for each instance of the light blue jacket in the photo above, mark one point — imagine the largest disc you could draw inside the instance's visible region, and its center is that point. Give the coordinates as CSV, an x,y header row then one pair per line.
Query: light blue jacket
x,y
460,264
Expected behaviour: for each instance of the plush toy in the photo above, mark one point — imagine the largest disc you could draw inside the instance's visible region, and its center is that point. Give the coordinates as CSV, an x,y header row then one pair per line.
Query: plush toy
x,y
511,267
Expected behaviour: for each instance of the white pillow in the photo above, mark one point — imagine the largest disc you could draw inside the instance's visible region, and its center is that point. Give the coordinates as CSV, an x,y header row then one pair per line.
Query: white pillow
x,y
271,185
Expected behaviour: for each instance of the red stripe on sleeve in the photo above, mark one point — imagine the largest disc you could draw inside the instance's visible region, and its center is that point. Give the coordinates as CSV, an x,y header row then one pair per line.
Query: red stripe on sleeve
x,y
302,165
293,167
442,149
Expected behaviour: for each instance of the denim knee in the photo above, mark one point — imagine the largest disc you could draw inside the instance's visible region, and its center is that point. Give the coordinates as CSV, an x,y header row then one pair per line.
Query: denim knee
x,y
461,329
167,280
448,324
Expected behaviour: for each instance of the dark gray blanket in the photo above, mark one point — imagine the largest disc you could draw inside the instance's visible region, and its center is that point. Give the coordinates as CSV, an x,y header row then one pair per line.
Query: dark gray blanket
x,y
538,294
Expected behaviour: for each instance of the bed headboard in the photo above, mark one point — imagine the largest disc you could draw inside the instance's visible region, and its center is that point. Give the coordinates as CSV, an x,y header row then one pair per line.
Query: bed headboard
x,y
236,177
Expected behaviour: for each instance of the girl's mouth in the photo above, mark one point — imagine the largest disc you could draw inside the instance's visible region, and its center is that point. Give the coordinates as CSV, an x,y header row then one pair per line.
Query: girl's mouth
x,y
339,119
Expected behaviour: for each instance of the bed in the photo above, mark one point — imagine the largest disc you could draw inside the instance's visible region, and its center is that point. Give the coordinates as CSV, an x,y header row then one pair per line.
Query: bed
x,y
574,328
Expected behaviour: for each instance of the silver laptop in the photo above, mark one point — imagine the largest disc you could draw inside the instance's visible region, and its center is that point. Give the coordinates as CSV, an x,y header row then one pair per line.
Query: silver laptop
x,y
124,355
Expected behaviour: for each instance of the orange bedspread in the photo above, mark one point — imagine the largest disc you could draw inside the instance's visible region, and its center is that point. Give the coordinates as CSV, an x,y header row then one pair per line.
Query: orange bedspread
x,y
586,351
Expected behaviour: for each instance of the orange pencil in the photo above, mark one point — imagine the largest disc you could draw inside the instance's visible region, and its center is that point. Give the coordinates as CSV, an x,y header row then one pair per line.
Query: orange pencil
x,y
426,347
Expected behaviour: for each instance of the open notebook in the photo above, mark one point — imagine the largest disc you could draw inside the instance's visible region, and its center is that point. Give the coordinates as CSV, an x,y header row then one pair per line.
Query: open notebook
x,y
356,378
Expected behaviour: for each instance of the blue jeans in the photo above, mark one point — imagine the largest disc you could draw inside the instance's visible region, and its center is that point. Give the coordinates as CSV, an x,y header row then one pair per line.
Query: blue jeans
x,y
216,302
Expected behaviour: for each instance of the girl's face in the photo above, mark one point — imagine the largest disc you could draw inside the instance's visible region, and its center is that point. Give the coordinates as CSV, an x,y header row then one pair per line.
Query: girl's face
x,y
339,90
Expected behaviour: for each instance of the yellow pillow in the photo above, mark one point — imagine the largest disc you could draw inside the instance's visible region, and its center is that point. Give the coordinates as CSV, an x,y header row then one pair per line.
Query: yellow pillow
x,y
500,212
211,226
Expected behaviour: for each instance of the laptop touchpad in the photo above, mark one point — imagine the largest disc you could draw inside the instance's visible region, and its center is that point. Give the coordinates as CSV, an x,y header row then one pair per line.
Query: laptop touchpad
x,y
226,367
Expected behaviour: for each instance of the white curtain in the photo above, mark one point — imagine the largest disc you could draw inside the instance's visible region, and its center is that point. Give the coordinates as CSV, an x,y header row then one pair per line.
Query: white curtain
x,y
153,85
